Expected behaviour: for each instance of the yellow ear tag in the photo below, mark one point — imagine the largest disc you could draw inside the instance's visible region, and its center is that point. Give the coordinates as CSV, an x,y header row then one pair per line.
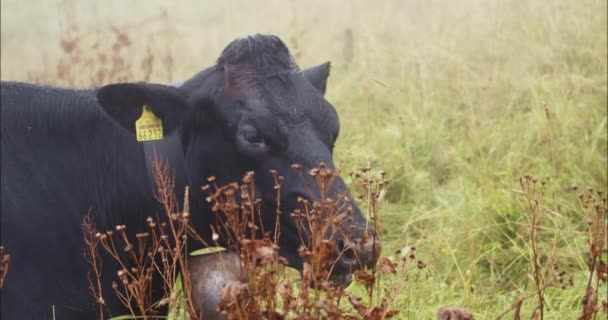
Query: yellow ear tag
x,y
148,127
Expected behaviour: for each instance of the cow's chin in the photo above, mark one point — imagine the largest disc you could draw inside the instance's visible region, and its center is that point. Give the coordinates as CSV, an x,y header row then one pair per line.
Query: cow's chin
x,y
338,280
342,280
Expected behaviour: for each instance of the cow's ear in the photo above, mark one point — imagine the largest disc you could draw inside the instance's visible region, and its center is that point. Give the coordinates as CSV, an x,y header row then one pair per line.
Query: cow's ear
x,y
124,103
318,75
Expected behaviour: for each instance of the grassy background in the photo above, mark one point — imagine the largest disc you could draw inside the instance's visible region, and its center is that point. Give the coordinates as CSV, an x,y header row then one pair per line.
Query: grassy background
x,y
455,100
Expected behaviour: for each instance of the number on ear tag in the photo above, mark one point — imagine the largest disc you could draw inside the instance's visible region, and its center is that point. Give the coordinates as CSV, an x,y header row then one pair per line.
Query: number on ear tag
x,y
148,127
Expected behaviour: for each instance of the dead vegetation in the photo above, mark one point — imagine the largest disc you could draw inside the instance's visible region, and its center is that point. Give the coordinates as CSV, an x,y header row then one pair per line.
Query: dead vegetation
x,y
593,205
93,58
267,294
454,314
159,253
545,269
4,260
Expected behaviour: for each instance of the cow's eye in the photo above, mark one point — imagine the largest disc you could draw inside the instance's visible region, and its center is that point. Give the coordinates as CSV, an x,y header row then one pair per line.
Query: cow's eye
x,y
251,141
251,134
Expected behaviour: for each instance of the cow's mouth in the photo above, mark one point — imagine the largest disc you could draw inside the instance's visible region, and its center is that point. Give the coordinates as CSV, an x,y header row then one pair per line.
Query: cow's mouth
x,y
341,266
342,280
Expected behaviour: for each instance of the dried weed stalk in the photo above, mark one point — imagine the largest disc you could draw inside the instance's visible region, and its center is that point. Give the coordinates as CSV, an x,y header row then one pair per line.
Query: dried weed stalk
x,y
547,274
267,294
157,255
4,260
594,209
109,54
92,257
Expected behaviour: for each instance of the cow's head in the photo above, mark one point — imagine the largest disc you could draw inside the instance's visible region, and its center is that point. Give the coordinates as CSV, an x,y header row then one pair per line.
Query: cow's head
x,y
255,111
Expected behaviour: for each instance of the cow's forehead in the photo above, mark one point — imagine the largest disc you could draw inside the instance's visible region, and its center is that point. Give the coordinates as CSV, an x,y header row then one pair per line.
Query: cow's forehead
x,y
291,101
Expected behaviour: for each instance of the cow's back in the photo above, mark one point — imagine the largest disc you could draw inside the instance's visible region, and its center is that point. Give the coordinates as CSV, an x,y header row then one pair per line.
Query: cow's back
x,y
61,158
41,142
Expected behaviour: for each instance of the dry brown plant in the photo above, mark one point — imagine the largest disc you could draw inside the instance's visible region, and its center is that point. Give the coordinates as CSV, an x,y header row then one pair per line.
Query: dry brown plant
x,y
4,260
267,294
593,204
548,273
157,253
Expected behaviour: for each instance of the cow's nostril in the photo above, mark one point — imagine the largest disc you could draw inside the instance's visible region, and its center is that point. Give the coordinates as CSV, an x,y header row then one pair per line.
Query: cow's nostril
x,y
354,254
340,245
346,253
349,254
360,252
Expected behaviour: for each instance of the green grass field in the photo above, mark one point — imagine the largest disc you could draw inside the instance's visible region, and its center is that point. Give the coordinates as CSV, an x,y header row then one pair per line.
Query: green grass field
x,y
455,100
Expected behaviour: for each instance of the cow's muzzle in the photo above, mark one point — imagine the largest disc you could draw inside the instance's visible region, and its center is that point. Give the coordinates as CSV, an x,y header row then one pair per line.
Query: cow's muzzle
x,y
351,254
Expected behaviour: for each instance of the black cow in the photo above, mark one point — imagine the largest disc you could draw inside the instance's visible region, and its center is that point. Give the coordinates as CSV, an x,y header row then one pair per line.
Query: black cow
x,y
69,152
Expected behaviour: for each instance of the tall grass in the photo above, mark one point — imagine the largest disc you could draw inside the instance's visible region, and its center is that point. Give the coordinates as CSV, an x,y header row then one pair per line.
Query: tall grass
x,y
455,100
